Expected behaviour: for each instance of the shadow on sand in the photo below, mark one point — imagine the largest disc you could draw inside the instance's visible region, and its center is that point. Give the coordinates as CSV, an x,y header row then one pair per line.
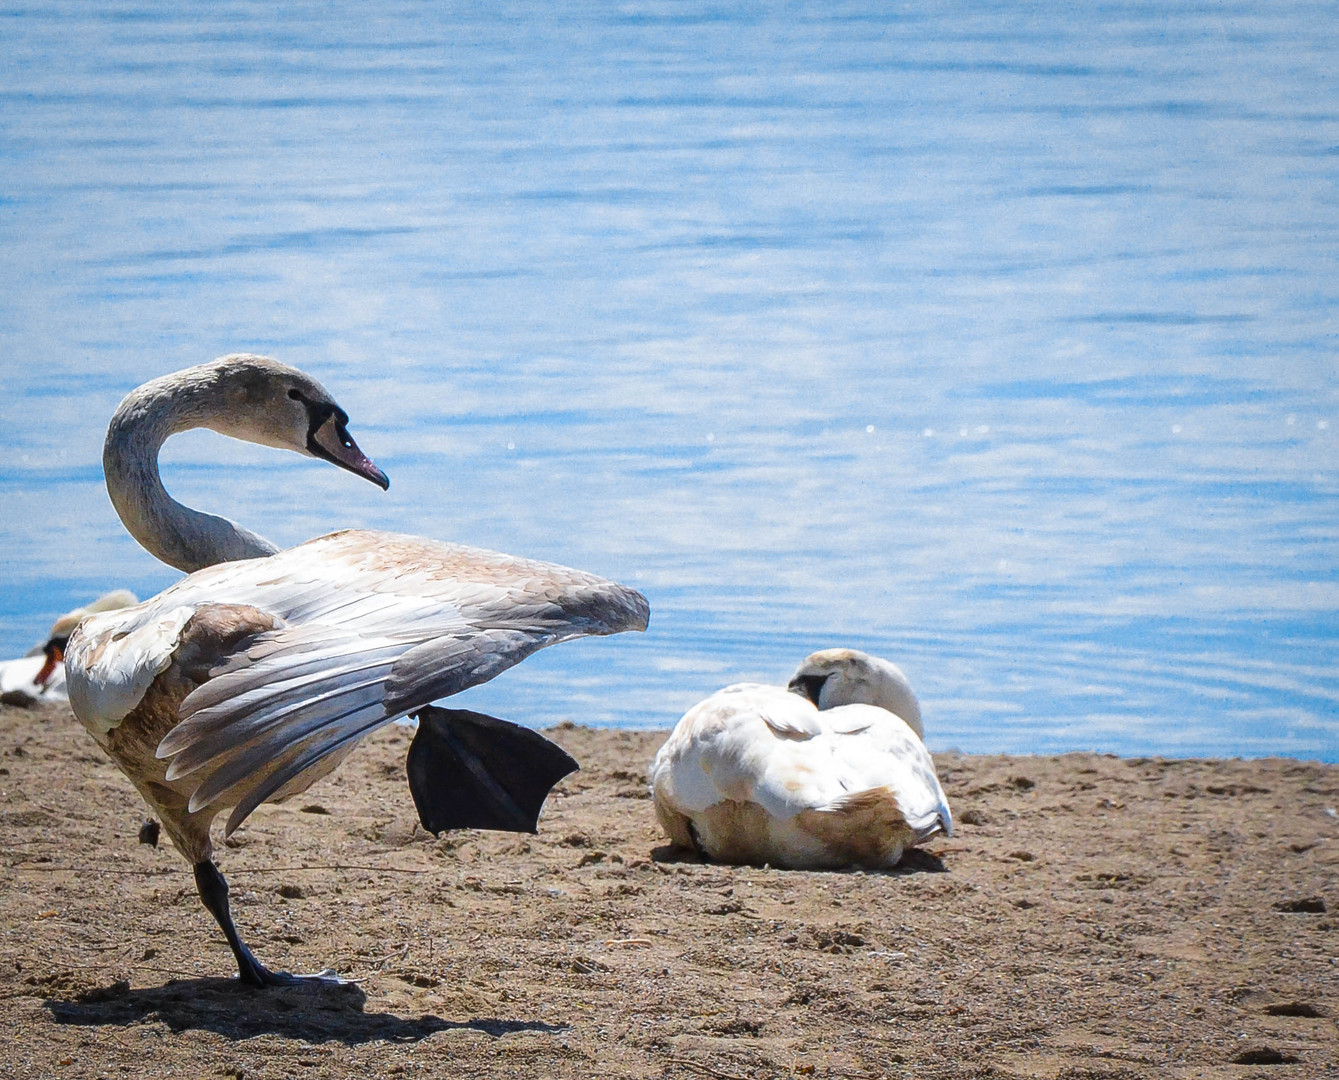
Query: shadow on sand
x,y
915,861
315,1013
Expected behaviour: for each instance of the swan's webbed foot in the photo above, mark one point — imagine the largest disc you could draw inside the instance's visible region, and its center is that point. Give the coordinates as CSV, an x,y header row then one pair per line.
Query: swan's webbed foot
x,y
471,771
213,889
261,976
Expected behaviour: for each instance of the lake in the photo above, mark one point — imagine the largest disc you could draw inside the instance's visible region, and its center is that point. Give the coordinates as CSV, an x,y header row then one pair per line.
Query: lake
x,y
994,339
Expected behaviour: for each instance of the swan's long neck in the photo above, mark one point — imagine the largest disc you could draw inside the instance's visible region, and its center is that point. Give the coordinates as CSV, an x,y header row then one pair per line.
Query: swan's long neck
x,y
176,534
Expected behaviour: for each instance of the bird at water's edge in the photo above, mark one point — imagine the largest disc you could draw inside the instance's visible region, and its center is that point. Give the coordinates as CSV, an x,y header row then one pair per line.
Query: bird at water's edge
x,y
40,676
827,773
257,673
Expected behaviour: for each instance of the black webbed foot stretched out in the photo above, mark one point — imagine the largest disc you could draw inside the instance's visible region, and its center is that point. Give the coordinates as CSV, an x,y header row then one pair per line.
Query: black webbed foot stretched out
x,y
471,771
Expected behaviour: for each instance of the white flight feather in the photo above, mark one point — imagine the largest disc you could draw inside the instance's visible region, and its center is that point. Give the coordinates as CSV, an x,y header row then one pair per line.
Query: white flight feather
x,y
357,645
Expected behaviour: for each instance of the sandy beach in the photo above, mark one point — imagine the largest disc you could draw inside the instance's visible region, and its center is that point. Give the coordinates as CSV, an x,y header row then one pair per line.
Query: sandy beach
x,y
1093,917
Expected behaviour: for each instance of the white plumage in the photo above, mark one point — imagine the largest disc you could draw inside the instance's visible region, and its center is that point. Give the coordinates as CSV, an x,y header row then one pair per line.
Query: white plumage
x,y
40,675
252,678
829,773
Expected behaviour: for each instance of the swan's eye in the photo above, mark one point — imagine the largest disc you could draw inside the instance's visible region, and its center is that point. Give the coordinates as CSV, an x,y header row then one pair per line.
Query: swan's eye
x,y
295,394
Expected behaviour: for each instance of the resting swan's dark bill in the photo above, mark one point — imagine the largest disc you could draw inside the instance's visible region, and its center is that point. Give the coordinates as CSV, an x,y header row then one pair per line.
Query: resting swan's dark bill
x,y
825,774
255,675
40,675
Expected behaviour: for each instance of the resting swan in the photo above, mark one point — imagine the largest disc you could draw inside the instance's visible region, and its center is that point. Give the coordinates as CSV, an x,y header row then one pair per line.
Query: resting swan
x,y
828,773
40,675
255,675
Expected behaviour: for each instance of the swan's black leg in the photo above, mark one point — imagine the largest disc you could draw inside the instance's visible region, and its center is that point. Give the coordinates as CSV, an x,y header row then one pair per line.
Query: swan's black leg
x,y
213,889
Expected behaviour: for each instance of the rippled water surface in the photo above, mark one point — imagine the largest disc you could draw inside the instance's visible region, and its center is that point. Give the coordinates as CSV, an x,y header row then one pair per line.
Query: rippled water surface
x,y
992,339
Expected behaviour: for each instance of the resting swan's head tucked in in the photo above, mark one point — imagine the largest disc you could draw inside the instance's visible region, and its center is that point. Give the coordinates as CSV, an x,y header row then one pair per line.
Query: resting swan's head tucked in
x,y
827,773
834,677
255,675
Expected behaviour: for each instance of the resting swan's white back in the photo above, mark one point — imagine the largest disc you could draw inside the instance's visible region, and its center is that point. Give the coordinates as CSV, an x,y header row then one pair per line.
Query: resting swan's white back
x,y
812,777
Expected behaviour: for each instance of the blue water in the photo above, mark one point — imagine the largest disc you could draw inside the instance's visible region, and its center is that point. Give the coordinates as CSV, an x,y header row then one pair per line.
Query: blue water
x,y
996,339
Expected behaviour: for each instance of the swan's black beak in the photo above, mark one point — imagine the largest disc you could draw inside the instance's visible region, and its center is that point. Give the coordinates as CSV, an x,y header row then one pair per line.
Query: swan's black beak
x,y
807,686
329,438
54,651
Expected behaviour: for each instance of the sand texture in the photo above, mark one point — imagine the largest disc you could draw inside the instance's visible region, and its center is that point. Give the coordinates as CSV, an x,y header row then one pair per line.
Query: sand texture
x,y
1094,917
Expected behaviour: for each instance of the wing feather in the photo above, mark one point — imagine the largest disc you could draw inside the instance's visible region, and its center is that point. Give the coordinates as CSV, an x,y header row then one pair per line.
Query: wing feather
x,y
279,670
273,725
370,626
333,738
251,767
445,666
113,658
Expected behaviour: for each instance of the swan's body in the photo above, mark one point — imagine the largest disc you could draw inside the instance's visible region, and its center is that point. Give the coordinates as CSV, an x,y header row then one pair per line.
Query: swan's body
x,y
40,675
251,678
18,681
827,774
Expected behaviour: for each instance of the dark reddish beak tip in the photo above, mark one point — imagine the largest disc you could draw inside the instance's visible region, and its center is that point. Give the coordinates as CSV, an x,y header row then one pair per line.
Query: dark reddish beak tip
x,y
354,460
332,441
377,476
54,656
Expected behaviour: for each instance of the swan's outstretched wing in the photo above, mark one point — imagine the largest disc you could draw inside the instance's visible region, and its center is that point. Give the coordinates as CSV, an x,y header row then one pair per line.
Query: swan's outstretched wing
x,y
367,627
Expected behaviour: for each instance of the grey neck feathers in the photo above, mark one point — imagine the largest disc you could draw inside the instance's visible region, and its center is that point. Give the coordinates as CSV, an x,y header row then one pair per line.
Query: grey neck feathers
x,y
176,534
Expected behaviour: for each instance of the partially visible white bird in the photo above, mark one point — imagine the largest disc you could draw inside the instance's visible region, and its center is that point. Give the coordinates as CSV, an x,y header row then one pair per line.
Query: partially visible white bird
x,y
828,774
40,675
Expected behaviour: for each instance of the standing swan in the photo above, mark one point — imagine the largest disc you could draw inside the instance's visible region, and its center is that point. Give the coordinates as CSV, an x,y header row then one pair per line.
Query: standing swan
x,y
826,774
255,675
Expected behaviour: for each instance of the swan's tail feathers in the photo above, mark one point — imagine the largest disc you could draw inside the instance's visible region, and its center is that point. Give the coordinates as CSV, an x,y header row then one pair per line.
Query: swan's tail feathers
x,y
930,817
873,828
942,822
471,771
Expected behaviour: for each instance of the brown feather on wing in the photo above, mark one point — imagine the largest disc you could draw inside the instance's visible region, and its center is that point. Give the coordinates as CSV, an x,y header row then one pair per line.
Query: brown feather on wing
x,y
367,627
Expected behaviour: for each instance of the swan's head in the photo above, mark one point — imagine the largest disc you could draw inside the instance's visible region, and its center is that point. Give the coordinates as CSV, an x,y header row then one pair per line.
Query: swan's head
x,y
62,628
263,401
849,677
